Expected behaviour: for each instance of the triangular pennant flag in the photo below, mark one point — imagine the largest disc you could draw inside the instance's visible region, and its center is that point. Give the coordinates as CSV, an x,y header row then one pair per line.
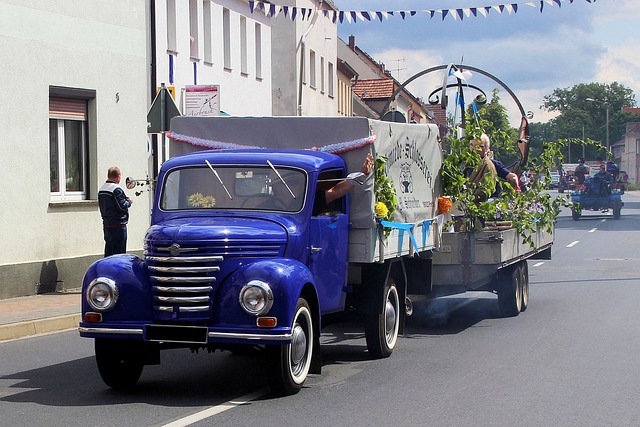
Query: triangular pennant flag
x,y
459,12
483,11
559,4
474,11
365,16
402,12
444,13
294,12
251,5
272,11
542,6
467,12
354,16
303,12
509,8
499,8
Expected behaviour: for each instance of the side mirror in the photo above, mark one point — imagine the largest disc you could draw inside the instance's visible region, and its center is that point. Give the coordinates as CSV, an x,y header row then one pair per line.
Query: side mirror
x,y
357,177
130,183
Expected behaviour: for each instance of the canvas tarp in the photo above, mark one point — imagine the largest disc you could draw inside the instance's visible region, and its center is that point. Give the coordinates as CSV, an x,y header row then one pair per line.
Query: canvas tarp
x,y
413,153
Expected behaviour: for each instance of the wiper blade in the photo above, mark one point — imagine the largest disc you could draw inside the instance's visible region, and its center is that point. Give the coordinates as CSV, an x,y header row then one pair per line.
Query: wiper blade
x,y
281,179
219,179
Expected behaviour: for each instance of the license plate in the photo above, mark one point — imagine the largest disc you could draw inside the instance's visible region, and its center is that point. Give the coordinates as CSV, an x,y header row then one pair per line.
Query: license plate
x,y
174,333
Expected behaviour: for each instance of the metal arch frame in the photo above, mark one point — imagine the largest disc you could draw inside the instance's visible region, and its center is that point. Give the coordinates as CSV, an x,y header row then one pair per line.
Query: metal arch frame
x,y
523,141
443,99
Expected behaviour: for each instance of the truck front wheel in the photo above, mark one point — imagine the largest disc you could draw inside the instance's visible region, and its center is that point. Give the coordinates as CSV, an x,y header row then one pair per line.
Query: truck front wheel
x,y
381,329
120,362
289,364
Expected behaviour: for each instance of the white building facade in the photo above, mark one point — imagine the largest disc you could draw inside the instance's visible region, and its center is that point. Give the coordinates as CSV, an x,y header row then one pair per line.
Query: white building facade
x,y
215,42
74,104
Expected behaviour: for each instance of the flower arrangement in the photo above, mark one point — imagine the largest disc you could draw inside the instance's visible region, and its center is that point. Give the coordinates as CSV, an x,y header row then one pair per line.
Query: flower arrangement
x,y
525,211
198,200
385,192
444,205
381,210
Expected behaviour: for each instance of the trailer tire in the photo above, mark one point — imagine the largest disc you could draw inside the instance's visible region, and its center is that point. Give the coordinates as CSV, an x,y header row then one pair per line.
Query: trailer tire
x,y
510,291
617,209
381,328
289,364
575,214
524,281
120,362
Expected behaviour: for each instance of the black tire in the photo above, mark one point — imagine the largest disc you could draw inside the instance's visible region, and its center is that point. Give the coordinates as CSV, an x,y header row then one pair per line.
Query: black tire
x,y
524,282
617,210
289,364
381,327
575,214
510,291
120,362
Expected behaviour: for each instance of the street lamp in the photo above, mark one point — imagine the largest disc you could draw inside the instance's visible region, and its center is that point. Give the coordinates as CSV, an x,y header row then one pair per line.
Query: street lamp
x,y
607,119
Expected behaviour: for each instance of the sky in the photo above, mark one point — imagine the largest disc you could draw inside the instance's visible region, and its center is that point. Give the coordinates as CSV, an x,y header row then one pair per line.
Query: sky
x,y
531,52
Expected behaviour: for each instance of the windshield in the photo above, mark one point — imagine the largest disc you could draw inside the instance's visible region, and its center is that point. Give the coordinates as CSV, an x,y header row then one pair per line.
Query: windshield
x,y
234,187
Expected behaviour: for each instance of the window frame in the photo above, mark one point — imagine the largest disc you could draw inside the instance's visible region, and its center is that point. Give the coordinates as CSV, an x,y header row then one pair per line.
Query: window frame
x,y
62,119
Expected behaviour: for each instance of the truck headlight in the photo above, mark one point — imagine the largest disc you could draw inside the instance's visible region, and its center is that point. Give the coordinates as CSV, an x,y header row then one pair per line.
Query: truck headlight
x,y
256,297
102,294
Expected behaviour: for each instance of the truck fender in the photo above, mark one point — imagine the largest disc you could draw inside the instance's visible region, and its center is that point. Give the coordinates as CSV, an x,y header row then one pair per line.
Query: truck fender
x,y
374,277
285,277
129,273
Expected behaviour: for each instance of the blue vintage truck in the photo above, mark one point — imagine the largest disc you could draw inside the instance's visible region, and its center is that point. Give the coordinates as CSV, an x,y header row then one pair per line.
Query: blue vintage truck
x,y
240,252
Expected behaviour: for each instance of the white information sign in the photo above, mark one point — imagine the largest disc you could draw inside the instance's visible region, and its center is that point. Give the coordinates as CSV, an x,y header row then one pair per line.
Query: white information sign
x,y
202,100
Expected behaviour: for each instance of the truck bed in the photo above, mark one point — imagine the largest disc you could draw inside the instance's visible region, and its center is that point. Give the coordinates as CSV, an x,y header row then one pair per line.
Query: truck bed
x,y
471,259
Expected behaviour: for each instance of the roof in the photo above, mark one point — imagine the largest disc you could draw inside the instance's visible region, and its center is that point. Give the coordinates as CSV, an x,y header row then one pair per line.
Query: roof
x,y
374,88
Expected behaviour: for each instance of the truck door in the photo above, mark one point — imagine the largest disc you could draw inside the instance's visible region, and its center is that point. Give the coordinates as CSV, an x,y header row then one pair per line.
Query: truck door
x,y
328,254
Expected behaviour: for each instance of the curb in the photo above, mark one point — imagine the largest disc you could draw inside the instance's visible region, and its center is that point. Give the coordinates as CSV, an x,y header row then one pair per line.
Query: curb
x,y
39,326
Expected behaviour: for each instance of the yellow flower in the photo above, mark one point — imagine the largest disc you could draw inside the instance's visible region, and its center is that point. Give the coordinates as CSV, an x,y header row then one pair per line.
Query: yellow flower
x,y
381,210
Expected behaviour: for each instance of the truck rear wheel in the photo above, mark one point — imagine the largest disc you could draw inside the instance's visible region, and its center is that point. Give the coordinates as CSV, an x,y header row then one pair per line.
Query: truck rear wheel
x,y
510,291
120,362
289,364
381,328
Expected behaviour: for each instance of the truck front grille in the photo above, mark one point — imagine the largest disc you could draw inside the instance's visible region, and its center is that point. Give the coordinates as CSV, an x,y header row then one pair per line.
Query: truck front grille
x,y
184,278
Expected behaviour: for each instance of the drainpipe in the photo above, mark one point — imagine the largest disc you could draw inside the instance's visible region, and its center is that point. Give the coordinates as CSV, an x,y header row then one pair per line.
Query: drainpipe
x,y
302,54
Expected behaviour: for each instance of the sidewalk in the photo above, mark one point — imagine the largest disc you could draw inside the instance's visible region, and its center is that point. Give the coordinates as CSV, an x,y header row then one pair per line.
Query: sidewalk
x,y
25,316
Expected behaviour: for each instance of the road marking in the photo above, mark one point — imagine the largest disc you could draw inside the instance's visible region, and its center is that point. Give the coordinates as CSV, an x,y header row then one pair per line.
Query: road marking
x,y
538,264
214,410
572,244
592,230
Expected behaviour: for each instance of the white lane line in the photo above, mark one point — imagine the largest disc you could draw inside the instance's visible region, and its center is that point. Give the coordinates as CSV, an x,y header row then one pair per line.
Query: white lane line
x,y
214,410
572,244
592,230
538,264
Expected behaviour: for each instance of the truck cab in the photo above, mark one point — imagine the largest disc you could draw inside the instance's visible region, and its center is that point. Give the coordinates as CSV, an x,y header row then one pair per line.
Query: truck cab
x,y
242,249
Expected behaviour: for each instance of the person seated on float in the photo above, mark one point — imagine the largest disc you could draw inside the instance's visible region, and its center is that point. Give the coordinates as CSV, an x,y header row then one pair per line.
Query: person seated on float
x,y
489,166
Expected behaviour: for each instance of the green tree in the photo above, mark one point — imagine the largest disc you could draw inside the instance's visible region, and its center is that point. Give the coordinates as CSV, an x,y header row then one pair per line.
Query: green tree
x,y
583,114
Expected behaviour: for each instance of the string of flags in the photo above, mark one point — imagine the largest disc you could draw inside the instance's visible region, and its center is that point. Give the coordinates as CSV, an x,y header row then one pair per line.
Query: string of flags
x,y
350,16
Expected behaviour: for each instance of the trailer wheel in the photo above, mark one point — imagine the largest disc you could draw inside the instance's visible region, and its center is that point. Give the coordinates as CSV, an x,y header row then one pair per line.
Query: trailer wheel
x,y
510,291
524,281
617,208
289,364
120,362
575,214
381,328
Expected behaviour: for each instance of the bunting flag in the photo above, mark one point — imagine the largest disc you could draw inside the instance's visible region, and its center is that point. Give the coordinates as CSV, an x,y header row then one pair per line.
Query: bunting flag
x,y
337,148
350,16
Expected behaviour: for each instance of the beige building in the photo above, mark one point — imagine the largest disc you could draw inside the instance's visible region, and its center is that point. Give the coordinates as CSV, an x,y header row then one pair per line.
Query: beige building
x,y
75,96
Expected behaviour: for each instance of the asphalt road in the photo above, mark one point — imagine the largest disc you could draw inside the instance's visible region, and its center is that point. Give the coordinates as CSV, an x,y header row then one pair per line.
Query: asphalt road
x,y
570,360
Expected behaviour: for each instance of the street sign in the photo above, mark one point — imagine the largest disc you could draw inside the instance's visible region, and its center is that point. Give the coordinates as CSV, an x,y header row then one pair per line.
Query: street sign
x,y
162,110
